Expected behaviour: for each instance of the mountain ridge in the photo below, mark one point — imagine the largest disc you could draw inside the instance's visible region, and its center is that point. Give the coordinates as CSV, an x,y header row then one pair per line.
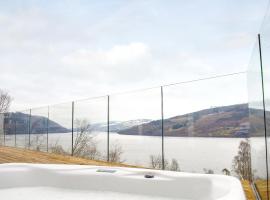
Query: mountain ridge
x,y
225,121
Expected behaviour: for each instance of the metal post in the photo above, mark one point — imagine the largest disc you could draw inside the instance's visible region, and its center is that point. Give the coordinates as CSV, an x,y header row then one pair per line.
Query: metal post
x,y
162,129
72,128
264,113
108,128
15,132
4,127
47,128
29,129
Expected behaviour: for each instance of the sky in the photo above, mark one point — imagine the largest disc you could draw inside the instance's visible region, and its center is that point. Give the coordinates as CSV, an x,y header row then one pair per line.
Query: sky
x,y
59,51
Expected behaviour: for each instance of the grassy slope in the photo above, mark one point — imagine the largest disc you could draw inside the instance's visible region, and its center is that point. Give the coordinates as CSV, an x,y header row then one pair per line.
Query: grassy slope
x,y
16,155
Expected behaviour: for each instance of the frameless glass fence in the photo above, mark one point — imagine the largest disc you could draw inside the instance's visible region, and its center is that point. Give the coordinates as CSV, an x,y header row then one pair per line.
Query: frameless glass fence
x,y
265,53
22,122
205,122
90,128
2,140
9,129
135,128
203,126
257,123
39,129
152,128
60,128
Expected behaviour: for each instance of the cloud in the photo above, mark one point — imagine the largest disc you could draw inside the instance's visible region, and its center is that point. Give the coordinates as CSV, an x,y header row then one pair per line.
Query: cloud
x,y
53,52
120,62
118,55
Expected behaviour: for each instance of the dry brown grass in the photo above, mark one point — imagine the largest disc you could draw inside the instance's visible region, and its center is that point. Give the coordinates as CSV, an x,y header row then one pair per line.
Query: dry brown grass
x,y
261,186
17,155
248,190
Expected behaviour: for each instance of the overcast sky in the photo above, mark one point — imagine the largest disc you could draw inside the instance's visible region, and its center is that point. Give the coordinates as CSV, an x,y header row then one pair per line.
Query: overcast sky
x,y
58,51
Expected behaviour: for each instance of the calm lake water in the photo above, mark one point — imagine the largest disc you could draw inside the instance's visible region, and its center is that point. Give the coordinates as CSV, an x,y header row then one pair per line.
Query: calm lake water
x,y
192,154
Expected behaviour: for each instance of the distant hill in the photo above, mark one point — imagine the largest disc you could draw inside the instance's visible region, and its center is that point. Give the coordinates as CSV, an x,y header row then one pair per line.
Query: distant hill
x,y
116,126
38,124
226,121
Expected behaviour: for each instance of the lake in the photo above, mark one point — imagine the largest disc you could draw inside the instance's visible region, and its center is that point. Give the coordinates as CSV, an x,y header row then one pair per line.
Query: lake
x,y
193,154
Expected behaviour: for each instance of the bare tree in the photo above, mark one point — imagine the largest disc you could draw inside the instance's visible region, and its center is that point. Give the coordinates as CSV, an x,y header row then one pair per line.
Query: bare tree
x,y
85,145
37,141
156,163
81,137
208,171
227,172
5,101
115,153
92,151
242,161
58,149
174,166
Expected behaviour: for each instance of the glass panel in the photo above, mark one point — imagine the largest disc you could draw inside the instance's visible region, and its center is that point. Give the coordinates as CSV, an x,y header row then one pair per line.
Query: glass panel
x,y
22,128
205,121
265,44
258,148
39,122
135,128
9,130
60,125
90,128
1,128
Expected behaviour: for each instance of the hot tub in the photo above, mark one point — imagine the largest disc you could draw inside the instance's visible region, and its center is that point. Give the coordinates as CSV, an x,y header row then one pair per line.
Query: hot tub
x,y
69,182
